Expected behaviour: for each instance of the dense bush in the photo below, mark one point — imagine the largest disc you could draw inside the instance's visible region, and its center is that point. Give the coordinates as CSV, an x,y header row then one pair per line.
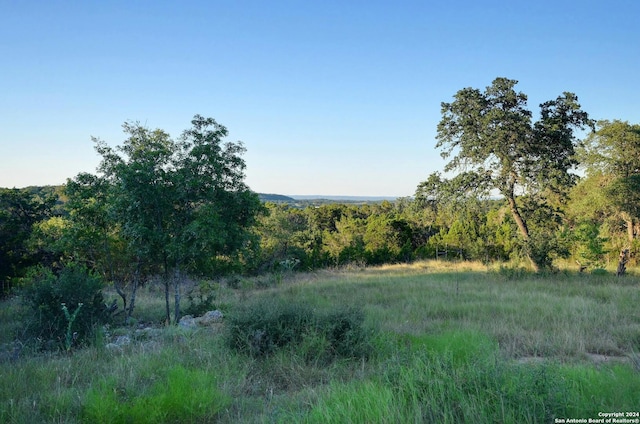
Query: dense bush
x,y
344,329
266,325
65,309
202,298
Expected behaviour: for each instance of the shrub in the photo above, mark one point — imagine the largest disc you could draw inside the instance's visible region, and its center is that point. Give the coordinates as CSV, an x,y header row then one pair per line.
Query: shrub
x,y
65,309
264,326
344,328
261,327
201,298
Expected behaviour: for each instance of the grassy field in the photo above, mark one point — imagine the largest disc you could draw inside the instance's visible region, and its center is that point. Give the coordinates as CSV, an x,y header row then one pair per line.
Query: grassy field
x,y
448,343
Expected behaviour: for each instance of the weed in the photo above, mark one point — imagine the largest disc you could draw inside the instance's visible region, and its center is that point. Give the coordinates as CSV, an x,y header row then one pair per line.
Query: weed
x,y
69,335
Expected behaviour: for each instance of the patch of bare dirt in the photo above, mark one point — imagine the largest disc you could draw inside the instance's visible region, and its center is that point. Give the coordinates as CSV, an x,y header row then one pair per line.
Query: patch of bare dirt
x,y
595,358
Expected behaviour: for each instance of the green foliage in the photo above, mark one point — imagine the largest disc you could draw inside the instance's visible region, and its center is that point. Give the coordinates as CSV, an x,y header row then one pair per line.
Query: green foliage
x,y
20,211
284,234
50,298
181,396
202,298
623,194
345,245
262,327
337,234
610,157
543,247
345,330
588,245
614,148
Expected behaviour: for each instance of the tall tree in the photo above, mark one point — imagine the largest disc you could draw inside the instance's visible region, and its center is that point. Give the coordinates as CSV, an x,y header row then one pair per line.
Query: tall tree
x,y
495,146
182,205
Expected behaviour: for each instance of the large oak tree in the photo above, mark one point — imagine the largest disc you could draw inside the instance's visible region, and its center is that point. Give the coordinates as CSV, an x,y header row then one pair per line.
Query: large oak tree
x,y
495,146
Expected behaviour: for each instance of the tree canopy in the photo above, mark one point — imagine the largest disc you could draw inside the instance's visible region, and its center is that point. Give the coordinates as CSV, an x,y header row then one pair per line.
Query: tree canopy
x,y
614,149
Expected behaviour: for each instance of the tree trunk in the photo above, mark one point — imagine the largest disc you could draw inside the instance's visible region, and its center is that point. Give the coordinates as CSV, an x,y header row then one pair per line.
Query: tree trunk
x,y
166,291
522,226
176,292
630,229
132,305
622,263
134,290
123,295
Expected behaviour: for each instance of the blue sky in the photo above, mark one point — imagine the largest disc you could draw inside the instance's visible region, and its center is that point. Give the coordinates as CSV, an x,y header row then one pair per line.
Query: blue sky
x,y
329,97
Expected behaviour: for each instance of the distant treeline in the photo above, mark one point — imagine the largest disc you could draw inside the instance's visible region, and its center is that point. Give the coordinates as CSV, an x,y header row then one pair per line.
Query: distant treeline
x,y
35,229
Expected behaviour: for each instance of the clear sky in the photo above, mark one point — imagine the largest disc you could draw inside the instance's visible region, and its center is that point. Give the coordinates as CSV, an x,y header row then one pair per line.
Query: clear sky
x,y
329,97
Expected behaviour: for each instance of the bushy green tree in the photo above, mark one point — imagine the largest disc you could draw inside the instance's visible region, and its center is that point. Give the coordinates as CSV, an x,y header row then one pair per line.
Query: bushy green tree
x,y
93,236
613,149
388,239
180,206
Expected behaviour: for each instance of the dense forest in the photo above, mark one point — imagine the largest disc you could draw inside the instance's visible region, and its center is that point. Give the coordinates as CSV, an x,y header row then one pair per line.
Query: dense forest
x,y
560,191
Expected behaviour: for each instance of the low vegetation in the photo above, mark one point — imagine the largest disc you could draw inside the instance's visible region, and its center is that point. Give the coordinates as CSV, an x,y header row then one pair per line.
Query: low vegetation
x,y
66,310
428,342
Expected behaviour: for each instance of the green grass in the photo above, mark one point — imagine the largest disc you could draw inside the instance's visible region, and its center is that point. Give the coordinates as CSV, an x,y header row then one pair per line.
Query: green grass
x,y
453,345
459,377
176,395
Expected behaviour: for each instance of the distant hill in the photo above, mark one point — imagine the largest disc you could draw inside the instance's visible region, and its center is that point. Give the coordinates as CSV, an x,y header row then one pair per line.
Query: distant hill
x,y
345,198
275,198
302,201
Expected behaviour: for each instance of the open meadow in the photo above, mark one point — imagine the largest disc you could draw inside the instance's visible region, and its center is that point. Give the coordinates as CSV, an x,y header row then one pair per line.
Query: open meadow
x,y
428,342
